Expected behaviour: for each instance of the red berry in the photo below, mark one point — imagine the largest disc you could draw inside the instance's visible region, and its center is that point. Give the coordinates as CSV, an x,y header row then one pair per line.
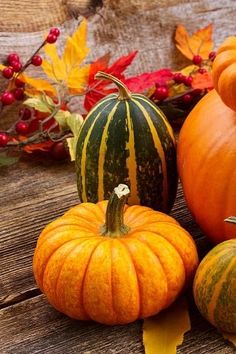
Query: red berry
x,y
12,57
202,71
59,151
7,73
7,98
188,80
19,83
25,113
18,93
22,127
4,138
16,66
178,78
197,59
187,98
212,56
161,93
55,31
51,38
36,60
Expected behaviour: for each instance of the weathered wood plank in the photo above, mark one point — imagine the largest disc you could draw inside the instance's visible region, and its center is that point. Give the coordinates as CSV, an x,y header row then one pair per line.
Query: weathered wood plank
x,y
25,15
33,326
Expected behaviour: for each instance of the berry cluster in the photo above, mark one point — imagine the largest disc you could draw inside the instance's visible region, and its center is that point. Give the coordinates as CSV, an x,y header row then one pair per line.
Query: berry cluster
x,y
27,118
162,91
15,67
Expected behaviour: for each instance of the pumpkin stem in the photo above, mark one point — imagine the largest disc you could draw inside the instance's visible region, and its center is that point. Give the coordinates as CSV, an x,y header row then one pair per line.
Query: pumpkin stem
x,y
114,226
231,219
124,93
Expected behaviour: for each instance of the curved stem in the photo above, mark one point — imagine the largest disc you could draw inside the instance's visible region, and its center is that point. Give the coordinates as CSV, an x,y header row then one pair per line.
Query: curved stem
x,y
231,219
114,226
124,93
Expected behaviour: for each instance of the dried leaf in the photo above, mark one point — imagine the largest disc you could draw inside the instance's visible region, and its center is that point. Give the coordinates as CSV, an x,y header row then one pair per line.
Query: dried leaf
x,y
200,42
67,70
202,81
230,337
164,332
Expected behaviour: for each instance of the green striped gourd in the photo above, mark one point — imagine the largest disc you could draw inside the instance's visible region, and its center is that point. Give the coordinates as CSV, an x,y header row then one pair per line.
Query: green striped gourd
x,y
127,139
214,286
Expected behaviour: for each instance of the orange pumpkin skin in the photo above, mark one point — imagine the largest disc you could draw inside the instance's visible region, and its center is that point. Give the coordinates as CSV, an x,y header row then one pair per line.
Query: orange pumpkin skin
x,y
206,157
112,280
224,72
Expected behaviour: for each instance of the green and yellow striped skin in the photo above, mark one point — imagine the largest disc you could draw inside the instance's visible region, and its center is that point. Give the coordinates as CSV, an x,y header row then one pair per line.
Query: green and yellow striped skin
x,y
214,286
127,141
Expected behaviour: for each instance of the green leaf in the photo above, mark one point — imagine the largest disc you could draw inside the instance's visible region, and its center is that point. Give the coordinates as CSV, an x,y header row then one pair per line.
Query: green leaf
x,y
42,103
6,160
74,122
61,118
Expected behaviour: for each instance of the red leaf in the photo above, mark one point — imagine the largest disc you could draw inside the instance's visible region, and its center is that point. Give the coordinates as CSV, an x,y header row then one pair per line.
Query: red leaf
x,y
97,89
147,80
44,146
100,64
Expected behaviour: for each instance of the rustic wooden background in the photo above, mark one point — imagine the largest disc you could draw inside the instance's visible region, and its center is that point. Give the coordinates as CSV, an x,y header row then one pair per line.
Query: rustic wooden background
x,y
34,192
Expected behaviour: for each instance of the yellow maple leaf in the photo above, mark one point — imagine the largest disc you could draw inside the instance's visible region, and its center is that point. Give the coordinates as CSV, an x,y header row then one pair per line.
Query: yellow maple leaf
x,y
34,86
67,69
165,331
200,43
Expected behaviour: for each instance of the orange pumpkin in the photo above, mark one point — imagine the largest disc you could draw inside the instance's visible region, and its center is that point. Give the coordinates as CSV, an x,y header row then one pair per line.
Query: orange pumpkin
x,y
113,263
224,72
206,151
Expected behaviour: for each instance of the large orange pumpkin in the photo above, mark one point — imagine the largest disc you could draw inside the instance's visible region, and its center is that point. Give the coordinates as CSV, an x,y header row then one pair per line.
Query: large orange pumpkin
x,y
224,72
113,263
207,154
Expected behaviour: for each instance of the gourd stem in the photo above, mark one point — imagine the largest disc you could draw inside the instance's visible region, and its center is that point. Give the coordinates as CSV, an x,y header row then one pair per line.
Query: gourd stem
x,y
231,219
114,226
124,93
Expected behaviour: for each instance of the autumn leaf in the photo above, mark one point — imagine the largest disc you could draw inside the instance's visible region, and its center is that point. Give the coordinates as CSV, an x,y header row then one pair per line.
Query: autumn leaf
x,y
43,146
74,122
165,331
200,43
97,89
146,80
67,70
202,81
34,86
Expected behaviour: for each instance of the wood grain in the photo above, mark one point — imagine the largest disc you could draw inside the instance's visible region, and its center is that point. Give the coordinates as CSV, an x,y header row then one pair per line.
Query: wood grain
x,y
31,16
33,326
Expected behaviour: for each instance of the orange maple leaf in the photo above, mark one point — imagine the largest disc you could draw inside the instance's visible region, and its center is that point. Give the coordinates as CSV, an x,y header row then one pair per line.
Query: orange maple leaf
x,y
200,43
202,81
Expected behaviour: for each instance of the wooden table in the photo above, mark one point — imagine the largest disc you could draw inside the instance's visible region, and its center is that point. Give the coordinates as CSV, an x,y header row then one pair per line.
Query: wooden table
x,y
34,192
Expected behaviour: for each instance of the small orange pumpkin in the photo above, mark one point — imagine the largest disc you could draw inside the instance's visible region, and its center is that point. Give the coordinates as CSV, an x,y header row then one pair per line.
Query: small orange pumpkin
x,y
224,72
113,263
